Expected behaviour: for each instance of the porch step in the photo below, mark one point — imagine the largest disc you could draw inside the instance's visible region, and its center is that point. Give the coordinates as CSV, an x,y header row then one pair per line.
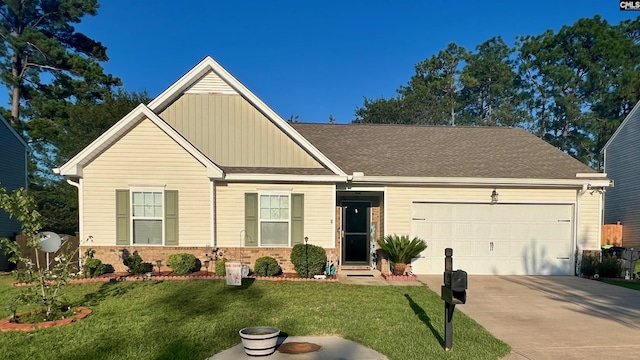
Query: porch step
x,y
354,267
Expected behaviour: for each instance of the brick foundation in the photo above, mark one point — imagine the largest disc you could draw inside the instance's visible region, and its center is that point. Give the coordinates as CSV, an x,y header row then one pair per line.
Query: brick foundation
x,y
247,256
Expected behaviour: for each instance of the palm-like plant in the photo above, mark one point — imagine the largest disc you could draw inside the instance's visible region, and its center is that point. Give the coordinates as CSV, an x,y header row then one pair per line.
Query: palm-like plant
x,y
400,250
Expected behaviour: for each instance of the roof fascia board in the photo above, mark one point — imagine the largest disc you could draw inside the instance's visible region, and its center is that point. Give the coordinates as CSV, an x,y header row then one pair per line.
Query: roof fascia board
x,y
624,122
459,181
285,177
208,63
74,166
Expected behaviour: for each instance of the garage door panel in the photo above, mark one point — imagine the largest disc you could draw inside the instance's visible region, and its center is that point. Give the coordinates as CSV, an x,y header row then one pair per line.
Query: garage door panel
x,y
509,239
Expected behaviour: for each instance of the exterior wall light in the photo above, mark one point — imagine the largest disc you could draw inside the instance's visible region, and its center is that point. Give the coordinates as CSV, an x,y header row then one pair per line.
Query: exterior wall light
x,y
494,196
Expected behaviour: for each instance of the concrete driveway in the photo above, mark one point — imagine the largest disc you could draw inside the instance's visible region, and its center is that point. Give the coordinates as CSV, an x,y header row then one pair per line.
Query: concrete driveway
x,y
554,317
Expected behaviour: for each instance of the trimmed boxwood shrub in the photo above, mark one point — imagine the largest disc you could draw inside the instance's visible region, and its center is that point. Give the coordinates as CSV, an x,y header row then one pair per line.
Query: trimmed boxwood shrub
x,y
135,265
92,267
315,255
220,270
267,266
183,263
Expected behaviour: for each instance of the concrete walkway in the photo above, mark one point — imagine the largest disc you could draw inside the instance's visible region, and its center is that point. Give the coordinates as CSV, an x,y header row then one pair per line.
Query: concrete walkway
x,y
332,348
554,317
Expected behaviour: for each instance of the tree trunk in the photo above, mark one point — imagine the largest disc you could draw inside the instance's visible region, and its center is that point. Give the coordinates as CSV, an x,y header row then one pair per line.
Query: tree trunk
x,y
16,69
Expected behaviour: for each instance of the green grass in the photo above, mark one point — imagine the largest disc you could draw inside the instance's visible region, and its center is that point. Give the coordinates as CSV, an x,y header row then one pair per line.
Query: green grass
x,y
628,284
197,319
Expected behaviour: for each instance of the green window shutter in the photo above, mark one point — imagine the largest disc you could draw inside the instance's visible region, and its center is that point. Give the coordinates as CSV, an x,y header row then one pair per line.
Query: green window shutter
x,y
171,217
251,219
122,218
297,219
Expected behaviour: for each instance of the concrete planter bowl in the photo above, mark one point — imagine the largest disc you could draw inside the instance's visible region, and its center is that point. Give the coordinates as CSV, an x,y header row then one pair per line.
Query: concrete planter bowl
x,y
259,340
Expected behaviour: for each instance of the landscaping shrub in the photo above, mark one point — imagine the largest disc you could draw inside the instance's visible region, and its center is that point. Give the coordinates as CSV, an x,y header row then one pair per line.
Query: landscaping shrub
x,y
92,267
610,267
589,265
183,263
267,266
311,257
220,270
135,265
400,250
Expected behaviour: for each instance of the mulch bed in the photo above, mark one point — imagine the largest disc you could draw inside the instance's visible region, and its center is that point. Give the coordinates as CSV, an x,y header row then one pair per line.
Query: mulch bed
x,y
7,325
198,275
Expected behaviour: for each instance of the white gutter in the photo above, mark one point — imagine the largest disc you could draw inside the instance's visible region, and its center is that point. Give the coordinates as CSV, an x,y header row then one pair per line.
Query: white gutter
x,y
285,177
465,181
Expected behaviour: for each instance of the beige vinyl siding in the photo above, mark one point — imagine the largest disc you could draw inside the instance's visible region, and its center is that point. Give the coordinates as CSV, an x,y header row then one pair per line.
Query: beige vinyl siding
x,y
399,199
13,173
211,83
319,210
146,157
622,165
589,230
231,132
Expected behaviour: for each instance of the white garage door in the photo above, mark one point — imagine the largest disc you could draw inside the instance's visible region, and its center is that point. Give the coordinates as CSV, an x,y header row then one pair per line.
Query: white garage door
x,y
500,239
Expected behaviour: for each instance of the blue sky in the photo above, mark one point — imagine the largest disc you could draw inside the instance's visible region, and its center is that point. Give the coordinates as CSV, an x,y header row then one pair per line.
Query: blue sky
x,y
312,58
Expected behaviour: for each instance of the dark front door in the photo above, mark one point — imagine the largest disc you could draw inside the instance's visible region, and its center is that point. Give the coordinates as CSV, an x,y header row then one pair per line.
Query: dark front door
x,y
355,243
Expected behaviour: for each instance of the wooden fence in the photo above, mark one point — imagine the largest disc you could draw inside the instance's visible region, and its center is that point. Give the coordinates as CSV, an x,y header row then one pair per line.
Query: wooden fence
x,y
612,234
69,245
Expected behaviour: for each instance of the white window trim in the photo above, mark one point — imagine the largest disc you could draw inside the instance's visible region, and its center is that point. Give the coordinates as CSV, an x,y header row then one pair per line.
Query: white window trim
x,y
131,217
269,193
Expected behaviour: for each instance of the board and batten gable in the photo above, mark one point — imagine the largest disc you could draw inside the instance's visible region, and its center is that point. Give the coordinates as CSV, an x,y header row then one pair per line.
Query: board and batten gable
x,y
622,165
146,157
399,199
319,210
13,171
231,131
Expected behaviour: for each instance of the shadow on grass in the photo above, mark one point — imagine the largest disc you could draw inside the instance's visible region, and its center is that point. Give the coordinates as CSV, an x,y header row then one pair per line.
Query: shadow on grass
x,y
107,290
422,315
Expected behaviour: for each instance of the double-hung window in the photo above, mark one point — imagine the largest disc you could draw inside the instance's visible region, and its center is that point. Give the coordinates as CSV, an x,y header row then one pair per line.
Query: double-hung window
x,y
147,217
274,219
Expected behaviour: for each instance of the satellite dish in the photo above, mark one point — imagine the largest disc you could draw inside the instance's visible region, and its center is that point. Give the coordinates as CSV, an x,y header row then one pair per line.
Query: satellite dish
x,y
49,241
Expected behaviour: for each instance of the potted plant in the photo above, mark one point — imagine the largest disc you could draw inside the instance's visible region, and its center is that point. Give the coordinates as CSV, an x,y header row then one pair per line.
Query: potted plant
x,y
259,340
400,250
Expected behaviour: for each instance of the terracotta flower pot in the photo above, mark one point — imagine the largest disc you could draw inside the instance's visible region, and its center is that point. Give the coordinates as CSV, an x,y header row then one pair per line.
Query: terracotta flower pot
x,y
398,268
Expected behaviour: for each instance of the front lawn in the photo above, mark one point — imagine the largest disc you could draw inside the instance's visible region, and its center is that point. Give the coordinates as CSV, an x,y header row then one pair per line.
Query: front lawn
x,y
199,318
628,284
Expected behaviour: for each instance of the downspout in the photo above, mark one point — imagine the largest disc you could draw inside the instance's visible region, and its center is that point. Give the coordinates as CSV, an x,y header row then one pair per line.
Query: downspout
x,y
80,206
78,185
577,254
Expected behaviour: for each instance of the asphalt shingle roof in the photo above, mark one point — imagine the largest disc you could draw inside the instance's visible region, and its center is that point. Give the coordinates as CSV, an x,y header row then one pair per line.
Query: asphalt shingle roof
x,y
439,151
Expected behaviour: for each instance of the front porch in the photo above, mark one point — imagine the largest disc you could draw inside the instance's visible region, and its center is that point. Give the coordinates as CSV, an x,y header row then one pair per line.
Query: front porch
x,y
359,222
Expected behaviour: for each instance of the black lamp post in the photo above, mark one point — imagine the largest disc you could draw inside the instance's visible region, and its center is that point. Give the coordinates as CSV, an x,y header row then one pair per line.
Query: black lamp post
x,y
306,253
206,265
158,264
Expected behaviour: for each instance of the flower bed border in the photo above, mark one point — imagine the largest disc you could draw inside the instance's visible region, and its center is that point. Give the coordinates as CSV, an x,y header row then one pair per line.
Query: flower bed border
x,y
390,277
7,325
184,277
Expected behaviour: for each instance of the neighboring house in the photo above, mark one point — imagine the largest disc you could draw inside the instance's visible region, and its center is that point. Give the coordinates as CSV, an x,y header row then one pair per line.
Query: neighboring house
x,y
208,165
13,175
622,164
